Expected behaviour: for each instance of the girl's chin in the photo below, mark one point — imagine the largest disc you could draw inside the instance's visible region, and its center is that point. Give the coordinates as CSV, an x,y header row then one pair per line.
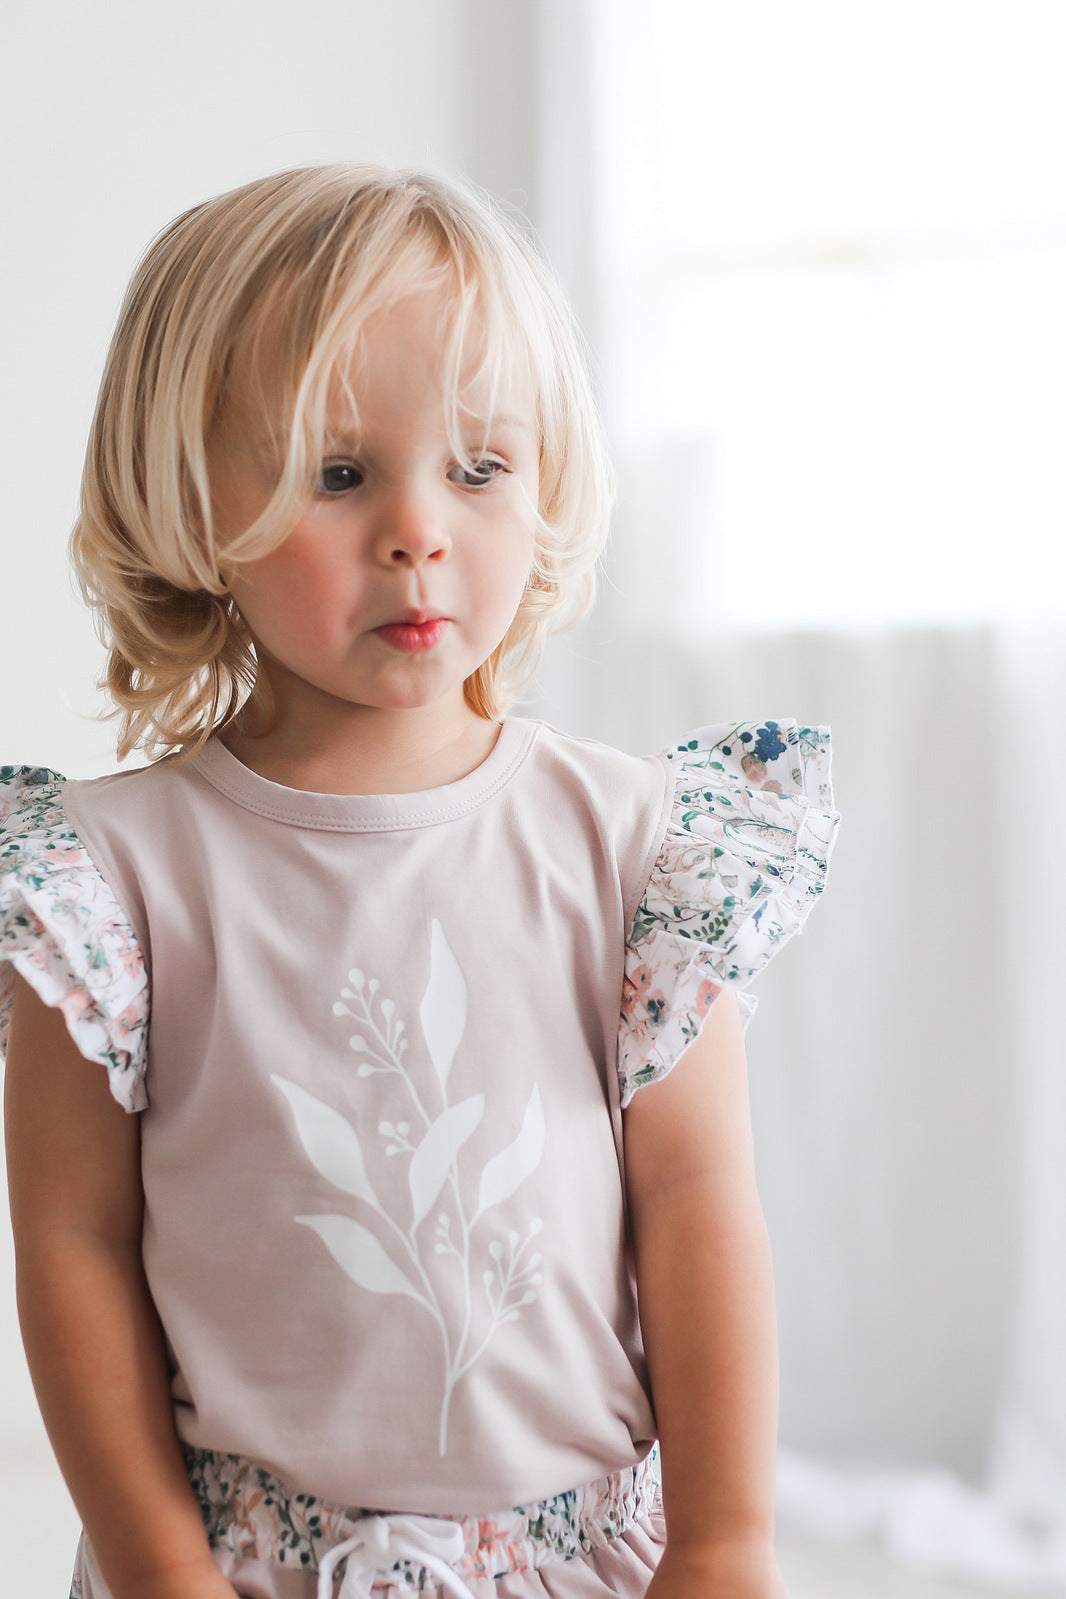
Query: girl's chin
x,y
429,699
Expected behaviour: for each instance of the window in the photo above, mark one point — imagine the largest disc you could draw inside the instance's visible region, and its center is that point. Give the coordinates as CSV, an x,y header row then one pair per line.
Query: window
x,y
839,298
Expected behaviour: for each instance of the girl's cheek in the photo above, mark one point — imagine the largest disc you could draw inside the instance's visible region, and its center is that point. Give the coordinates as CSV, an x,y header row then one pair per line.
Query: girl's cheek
x,y
305,564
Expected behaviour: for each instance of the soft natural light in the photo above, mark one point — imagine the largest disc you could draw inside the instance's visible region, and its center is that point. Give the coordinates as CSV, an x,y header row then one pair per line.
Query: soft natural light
x,y
860,287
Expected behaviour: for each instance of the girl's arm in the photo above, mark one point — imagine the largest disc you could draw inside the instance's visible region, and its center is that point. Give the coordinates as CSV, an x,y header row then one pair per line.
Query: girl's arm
x,y
706,1300
92,1339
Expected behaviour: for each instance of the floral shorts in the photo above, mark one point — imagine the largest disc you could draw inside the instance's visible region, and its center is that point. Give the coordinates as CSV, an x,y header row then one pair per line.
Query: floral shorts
x,y
271,1543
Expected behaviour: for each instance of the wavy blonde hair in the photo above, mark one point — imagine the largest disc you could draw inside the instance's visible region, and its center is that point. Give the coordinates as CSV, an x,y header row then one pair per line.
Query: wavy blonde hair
x,y
332,246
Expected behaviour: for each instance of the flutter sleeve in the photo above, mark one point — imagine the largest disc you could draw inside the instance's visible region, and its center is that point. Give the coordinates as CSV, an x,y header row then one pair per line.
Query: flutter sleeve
x,y
64,932
742,862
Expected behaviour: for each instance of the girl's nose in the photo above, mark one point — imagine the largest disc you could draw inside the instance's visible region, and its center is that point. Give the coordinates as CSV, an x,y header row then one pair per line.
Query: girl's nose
x,y
411,527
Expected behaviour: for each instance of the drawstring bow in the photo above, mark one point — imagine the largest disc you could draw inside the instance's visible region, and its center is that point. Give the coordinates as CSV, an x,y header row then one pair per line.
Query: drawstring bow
x,y
380,1541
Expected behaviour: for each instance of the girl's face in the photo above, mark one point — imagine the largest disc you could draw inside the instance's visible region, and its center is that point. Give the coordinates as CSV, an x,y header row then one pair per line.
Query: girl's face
x,y
405,569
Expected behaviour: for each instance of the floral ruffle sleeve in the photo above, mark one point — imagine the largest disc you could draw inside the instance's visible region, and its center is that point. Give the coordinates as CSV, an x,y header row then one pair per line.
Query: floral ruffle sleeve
x,y
64,932
743,861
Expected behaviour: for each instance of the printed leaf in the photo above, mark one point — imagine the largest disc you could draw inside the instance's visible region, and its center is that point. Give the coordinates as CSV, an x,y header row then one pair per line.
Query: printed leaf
x,y
443,1140
329,1140
358,1253
443,1008
507,1170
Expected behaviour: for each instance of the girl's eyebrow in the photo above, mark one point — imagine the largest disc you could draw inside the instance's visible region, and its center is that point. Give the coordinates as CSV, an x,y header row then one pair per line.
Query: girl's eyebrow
x,y
260,445
341,437
499,419
506,420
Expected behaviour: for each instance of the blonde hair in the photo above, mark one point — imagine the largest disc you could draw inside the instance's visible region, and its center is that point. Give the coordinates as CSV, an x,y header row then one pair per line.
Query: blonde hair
x,y
333,245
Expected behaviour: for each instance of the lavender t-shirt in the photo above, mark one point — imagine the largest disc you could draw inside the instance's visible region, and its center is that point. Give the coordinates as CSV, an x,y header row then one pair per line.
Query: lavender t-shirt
x,y
384,1222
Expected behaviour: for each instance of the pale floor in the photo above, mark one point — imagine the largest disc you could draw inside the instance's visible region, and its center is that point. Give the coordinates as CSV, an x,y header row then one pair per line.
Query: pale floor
x,y
39,1547
858,1571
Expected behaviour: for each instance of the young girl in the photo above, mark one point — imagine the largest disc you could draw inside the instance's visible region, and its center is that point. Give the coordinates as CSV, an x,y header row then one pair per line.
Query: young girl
x,y
332,1254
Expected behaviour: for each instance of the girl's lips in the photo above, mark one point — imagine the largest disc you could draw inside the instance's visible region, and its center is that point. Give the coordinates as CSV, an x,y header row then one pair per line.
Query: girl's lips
x,y
410,637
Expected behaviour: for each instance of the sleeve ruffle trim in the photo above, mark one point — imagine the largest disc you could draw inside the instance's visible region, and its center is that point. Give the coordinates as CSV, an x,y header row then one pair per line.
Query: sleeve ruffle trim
x,y
743,861
64,932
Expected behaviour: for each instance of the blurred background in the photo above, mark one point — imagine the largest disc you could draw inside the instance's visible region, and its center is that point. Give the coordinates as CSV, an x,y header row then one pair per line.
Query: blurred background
x,y
820,254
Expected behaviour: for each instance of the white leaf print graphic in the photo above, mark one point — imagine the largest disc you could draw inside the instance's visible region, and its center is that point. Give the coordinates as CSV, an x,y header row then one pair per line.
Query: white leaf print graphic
x,y
331,1143
443,1140
513,1165
443,1008
429,1266
360,1255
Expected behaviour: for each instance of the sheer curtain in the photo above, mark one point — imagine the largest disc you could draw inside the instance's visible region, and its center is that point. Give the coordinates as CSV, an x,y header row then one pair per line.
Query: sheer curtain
x,y
820,253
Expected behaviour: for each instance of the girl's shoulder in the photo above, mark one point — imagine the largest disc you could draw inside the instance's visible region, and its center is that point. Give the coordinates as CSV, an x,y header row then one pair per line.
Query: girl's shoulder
x,y
585,788
65,933
741,861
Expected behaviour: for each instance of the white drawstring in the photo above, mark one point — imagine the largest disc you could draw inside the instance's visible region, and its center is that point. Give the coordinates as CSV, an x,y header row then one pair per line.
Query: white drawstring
x,y
380,1541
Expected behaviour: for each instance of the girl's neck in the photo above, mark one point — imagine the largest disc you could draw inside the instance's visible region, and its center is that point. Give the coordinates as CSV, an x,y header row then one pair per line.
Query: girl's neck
x,y
376,752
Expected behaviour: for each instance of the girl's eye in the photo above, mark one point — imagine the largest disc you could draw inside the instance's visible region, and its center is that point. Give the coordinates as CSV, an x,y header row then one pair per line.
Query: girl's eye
x,y
477,474
338,478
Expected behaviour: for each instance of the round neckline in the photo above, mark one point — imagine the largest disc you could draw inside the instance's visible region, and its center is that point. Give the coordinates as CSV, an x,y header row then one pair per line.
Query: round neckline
x,y
367,813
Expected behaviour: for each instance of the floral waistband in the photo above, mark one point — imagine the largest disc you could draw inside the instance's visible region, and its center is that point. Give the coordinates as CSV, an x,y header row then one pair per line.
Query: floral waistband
x,y
252,1514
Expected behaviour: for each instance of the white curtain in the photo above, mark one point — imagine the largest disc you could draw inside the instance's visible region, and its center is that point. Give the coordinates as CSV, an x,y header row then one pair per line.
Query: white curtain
x,y
906,1071
908,1092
